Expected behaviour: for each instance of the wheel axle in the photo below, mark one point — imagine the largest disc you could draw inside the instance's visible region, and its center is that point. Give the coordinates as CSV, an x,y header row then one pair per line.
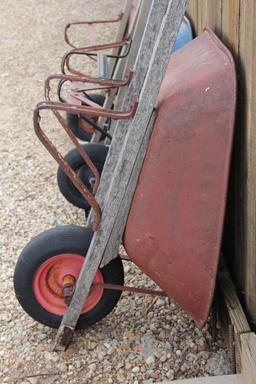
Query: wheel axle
x,y
68,288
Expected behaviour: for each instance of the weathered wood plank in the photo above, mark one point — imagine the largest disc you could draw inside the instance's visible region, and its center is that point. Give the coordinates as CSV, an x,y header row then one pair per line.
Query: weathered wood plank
x,y
232,229
214,16
231,312
209,14
248,351
247,53
230,24
202,15
236,313
192,12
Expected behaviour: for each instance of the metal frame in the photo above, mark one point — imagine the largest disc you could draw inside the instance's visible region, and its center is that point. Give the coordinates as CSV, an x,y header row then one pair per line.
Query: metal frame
x,y
90,109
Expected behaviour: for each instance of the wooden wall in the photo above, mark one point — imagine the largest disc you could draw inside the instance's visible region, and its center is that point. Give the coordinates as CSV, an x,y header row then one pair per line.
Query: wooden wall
x,y
234,21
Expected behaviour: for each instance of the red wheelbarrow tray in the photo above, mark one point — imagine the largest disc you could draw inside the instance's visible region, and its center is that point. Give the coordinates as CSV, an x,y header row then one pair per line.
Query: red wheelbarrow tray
x,y
175,223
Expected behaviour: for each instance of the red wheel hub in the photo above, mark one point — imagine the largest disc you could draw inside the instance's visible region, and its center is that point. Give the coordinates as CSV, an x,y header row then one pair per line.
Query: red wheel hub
x,y
49,281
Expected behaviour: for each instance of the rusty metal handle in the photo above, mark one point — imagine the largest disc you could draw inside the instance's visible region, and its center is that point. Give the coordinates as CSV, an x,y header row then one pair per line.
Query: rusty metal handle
x,y
55,107
89,110
81,89
102,84
109,21
75,179
86,51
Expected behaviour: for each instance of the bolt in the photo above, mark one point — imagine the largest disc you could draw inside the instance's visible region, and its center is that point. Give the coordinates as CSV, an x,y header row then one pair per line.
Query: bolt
x,y
68,288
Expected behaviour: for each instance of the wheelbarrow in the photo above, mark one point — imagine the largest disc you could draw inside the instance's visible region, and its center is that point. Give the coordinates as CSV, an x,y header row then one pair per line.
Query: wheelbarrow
x,y
98,153
174,228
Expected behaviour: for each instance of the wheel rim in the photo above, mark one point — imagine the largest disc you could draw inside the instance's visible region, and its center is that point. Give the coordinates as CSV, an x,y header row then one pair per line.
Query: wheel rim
x,y
48,283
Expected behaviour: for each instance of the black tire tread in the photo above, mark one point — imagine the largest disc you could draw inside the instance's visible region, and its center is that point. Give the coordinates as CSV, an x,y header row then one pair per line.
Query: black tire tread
x,y
97,153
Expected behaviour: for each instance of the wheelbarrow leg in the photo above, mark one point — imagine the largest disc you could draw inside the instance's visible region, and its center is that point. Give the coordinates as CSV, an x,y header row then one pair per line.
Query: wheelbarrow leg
x,y
128,161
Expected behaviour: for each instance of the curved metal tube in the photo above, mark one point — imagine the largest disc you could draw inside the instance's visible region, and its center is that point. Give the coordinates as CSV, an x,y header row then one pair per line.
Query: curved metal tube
x,y
55,107
107,84
90,111
85,51
66,37
66,167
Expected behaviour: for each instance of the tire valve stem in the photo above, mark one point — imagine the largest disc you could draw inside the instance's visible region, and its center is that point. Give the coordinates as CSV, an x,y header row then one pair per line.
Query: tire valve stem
x,y
68,289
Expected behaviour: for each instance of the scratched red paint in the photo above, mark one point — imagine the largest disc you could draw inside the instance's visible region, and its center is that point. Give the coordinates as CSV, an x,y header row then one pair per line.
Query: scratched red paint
x,y
175,222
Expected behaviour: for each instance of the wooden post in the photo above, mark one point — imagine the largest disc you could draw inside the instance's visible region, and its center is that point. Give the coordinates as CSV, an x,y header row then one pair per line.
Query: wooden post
x,y
237,28
167,15
247,52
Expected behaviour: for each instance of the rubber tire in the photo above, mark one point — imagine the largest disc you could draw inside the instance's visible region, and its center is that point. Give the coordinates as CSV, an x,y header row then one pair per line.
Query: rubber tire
x,y
73,120
59,240
97,153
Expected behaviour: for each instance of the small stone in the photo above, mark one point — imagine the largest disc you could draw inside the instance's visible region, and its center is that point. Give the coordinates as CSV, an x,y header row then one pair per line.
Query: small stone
x,y
163,358
53,356
92,345
150,360
153,327
125,346
161,335
160,302
170,374
120,378
42,336
77,364
136,369
101,355
155,375
120,365
92,367
129,334
62,367
127,268
111,351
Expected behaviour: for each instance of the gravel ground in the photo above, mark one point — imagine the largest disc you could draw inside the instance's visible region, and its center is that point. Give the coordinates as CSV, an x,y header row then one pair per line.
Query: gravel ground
x,y
144,339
